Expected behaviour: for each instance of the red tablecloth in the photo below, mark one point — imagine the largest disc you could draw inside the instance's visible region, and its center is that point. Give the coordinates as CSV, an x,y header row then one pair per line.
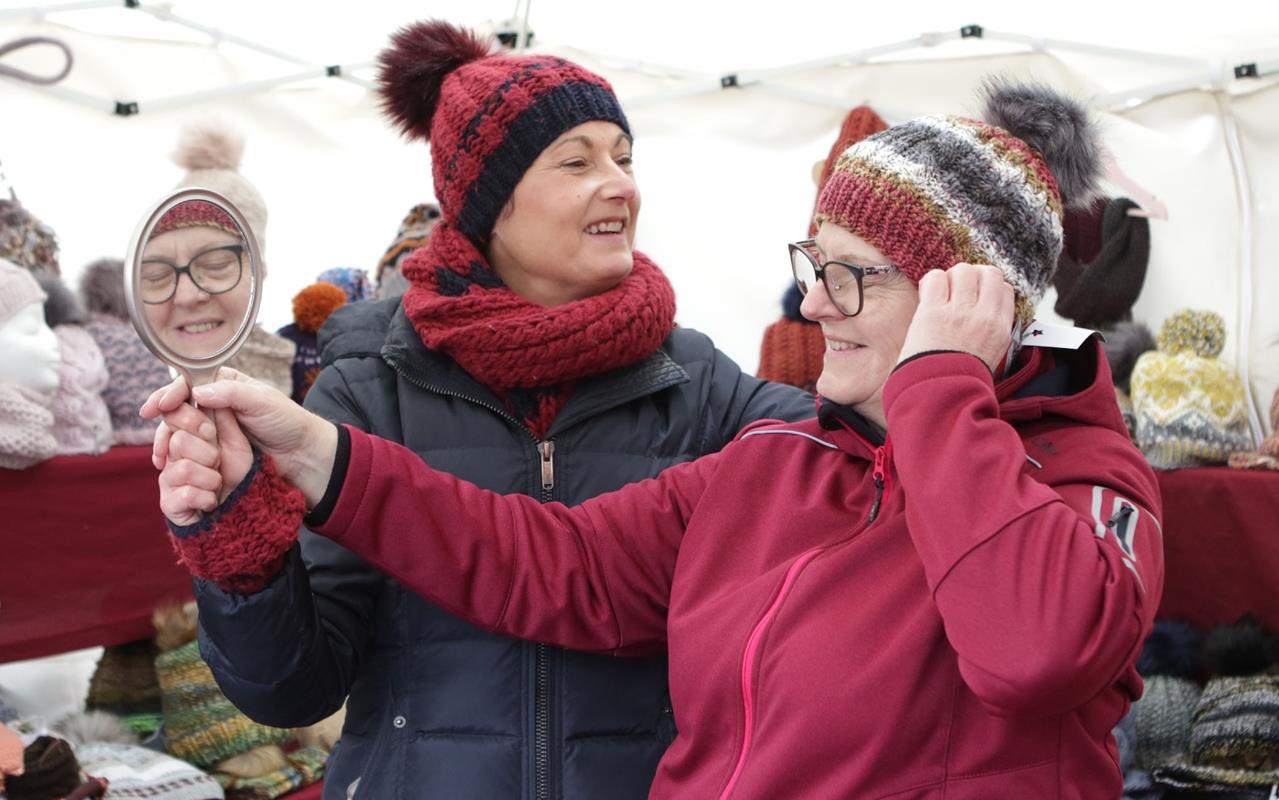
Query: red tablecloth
x,y
83,555
1221,545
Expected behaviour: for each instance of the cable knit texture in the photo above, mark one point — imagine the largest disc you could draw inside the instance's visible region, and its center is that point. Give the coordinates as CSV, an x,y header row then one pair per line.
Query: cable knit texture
x,y
267,357
81,420
26,427
240,546
132,374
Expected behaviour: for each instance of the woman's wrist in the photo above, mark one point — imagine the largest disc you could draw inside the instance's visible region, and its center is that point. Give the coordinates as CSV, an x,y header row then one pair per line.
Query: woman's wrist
x,y
310,470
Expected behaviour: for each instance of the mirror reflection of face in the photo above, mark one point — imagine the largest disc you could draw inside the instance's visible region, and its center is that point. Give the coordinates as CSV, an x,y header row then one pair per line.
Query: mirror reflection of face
x,y
195,286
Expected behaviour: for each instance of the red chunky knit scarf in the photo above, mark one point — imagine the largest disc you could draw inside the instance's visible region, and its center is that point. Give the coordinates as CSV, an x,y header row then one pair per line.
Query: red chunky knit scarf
x,y
528,354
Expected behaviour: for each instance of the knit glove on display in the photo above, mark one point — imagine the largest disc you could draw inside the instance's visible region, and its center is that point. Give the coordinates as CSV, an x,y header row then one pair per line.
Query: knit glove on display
x,y
240,545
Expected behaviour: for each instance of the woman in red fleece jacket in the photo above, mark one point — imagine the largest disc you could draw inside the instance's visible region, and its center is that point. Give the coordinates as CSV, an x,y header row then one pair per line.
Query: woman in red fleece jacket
x,y
937,588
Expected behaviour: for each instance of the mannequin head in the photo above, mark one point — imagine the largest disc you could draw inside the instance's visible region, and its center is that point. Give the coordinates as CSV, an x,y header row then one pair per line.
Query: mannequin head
x,y
29,355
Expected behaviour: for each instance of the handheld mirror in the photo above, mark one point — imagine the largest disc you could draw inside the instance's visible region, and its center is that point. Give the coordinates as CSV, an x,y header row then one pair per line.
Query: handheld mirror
x,y
194,281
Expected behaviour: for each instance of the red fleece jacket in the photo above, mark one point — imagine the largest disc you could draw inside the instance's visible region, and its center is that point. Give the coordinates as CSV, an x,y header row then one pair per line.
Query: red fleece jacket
x,y
973,637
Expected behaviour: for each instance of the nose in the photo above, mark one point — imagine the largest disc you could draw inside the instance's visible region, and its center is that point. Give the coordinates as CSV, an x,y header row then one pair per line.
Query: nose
x,y
817,305
619,184
187,293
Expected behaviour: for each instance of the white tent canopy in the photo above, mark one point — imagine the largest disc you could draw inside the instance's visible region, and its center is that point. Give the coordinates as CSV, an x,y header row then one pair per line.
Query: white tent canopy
x,y
725,169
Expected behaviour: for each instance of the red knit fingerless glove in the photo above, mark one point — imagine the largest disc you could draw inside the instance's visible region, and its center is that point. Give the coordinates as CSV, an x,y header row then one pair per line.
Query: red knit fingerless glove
x,y
240,545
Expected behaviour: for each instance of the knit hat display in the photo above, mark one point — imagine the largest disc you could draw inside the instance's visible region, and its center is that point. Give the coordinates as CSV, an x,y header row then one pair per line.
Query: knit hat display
x,y
1234,738
859,123
18,289
201,726
937,191
25,240
133,372
81,419
139,772
355,282
1266,456
124,683
303,767
311,307
26,419
1189,405
211,154
1101,292
793,348
267,357
487,117
50,771
414,232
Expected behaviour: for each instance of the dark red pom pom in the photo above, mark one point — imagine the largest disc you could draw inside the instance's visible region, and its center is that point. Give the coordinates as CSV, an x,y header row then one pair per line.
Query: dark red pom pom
x,y
412,70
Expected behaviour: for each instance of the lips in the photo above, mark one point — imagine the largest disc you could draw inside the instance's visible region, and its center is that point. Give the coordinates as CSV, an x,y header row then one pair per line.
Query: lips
x,y
837,346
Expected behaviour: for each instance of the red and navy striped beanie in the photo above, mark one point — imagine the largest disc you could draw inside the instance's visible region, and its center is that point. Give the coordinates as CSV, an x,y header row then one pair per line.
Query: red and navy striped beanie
x,y
937,191
486,116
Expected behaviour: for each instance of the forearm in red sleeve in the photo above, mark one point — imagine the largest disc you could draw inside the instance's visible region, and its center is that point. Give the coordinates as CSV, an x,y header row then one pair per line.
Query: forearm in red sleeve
x,y
1045,605
591,577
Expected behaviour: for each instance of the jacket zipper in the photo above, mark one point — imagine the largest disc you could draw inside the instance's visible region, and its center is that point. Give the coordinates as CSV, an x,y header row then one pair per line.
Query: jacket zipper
x,y
880,474
542,657
542,691
761,627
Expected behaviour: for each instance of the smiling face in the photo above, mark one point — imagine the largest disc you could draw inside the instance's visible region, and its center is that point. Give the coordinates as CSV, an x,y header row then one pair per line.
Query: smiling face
x,y
29,352
861,351
195,323
569,228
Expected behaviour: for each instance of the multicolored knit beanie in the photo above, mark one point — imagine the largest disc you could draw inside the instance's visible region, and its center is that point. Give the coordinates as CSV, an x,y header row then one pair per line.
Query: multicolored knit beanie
x,y
195,214
200,724
487,117
25,240
937,191
414,232
1189,405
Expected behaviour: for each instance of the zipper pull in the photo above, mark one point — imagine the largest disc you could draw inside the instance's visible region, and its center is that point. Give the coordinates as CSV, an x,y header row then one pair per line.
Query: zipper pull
x,y
547,451
881,456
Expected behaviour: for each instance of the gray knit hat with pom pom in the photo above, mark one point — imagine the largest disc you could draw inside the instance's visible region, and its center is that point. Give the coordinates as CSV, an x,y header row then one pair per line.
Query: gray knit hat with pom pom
x,y
937,191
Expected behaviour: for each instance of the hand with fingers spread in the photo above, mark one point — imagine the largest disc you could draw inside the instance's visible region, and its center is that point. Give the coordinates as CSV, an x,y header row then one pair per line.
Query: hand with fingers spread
x,y
968,308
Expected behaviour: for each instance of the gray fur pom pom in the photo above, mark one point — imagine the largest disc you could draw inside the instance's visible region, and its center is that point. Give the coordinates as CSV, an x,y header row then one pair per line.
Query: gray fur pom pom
x,y
102,287
61,307
1059,127
94,727
1124,342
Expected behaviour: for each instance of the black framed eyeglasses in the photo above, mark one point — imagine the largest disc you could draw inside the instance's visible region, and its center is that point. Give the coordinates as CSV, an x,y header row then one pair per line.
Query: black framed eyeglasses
x,y
217,270
843,280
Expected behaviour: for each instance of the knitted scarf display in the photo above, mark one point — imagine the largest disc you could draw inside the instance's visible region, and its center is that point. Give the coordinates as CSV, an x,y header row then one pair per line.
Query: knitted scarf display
x,y
26,427
528,354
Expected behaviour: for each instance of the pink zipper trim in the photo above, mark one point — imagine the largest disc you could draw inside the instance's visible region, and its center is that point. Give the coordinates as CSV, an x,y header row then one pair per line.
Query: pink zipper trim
x,y
748,661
